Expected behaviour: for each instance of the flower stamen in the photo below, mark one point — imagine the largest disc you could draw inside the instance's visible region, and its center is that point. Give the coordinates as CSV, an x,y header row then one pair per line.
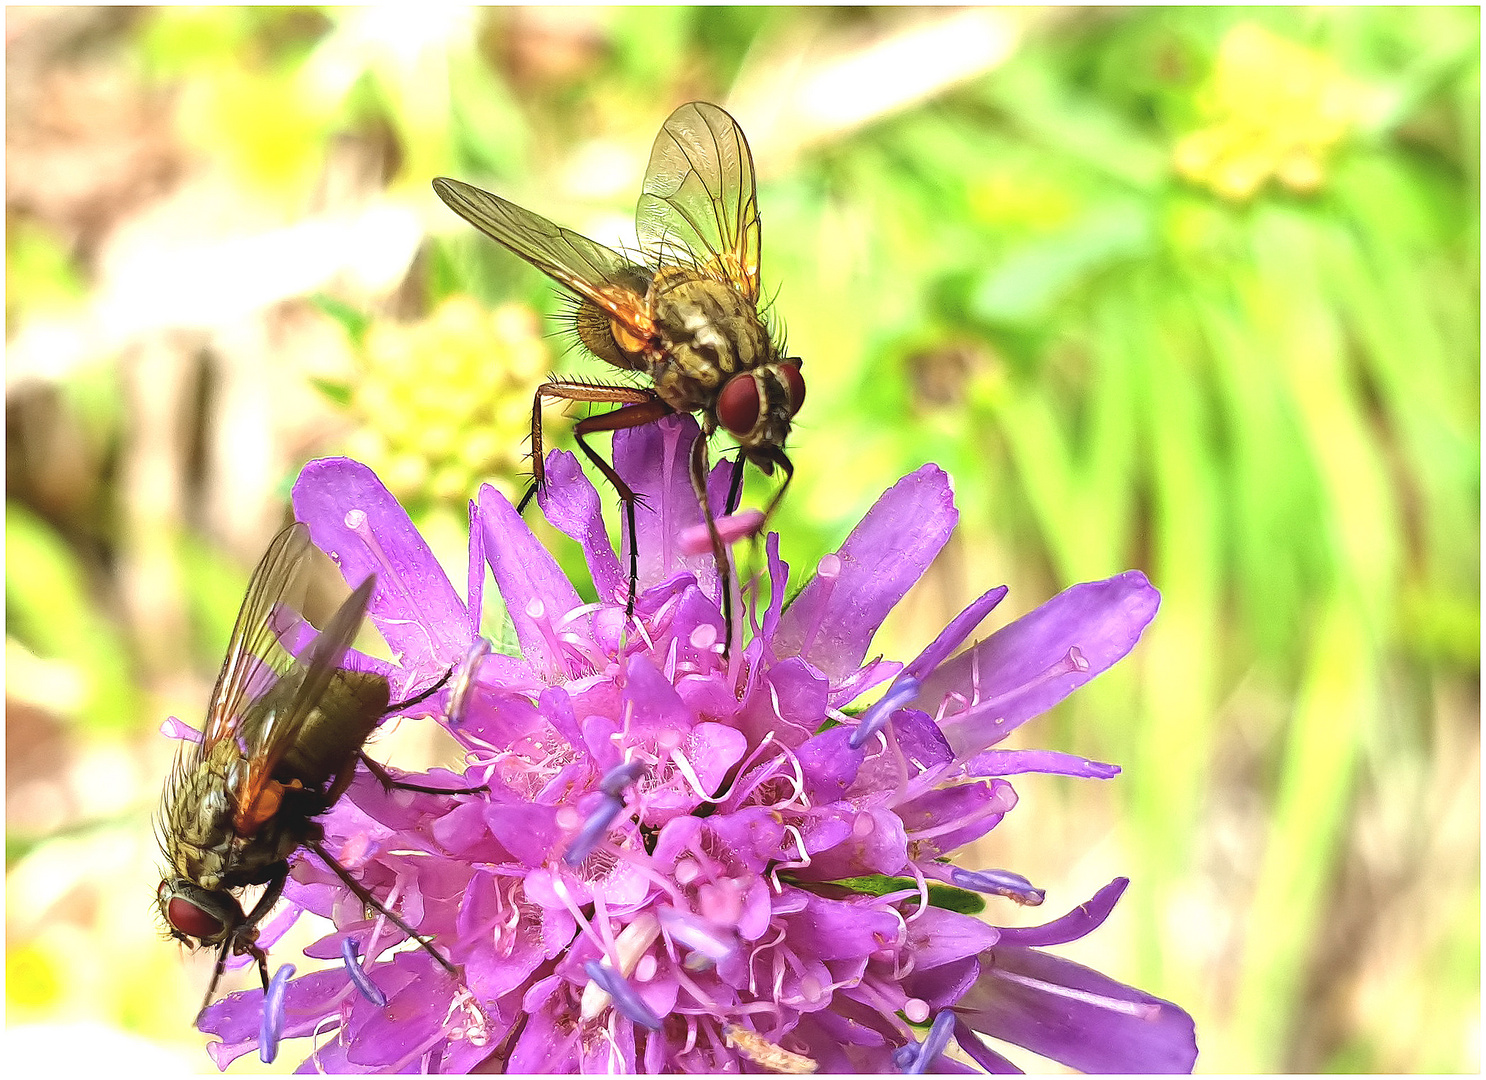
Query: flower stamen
x,y
626,999
902,691
1071,662
934,1043
998,883
595,828
271,1024
359,978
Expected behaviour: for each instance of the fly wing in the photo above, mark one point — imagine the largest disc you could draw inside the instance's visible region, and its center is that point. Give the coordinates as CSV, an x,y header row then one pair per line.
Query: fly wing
x,y
596,273
700,195
256,662
265,694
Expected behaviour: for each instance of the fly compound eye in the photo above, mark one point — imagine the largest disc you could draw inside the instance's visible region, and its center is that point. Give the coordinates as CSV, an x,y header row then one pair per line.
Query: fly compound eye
x,y
738,405
796,383
189,918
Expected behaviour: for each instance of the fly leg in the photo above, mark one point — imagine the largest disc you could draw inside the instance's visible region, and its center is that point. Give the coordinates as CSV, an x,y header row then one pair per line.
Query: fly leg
x,y
628,416
384,777
243,938
369,900
779,458
422,695
574,390
735,486
637,407
719,550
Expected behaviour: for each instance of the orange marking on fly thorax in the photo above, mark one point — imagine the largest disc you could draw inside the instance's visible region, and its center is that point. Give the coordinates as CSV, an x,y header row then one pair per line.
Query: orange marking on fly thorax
x,y
625,338
264,805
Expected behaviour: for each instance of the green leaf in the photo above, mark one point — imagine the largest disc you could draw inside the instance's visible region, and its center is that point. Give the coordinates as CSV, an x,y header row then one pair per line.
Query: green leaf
x,y
52,613
947,897
355,323
338,392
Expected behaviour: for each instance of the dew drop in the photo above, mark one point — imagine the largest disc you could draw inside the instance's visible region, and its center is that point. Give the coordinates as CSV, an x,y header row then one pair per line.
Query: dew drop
x,y
687,871
916,1009
535,609
645,969
355,520
704,636
863,826
829,567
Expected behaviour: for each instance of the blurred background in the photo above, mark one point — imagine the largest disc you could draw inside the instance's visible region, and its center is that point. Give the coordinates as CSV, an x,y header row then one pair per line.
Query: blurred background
x,y
1189,290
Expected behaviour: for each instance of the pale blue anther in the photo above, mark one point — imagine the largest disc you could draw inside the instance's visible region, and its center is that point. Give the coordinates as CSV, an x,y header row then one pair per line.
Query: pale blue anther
x,y
359,978
271,1024
626,999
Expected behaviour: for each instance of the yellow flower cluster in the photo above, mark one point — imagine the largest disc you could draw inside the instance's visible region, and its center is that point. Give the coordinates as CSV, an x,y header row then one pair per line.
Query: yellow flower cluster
x,y
444,404
1274,109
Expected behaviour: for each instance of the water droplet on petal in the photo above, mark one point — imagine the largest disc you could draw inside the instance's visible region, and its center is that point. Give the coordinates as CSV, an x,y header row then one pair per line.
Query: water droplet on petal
x,y
355,519
830,566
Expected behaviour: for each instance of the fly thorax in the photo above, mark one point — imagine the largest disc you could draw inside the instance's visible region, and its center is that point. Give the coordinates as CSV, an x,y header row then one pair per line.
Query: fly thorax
x,y
711,332
199,824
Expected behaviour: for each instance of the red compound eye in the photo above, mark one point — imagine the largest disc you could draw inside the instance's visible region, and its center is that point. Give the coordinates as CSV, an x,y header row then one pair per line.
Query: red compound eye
x,y
796,383
738,404
190,919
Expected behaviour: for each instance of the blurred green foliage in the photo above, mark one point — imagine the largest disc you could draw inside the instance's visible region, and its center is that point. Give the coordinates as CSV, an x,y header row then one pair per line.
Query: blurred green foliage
x,y
1189,289
38,272
50,616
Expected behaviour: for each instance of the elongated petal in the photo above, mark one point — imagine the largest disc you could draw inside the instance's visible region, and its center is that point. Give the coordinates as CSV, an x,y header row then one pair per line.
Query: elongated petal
x,y
654,459
947,818
1076,1016
355,520
537,593
978,1052
572,505
939,936
832,621
1011,762
1026,668
839,930
1084,919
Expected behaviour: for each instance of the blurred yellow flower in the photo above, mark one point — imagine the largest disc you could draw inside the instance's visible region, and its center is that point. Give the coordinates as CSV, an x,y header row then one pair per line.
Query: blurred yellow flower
x,y
1275,109
444,404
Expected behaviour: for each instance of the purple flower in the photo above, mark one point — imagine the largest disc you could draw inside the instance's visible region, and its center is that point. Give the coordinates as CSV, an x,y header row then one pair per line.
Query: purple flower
x,y
687,861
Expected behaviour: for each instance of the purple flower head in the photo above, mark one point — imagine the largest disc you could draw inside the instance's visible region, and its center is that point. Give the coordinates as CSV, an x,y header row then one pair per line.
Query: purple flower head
x,y
691,861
